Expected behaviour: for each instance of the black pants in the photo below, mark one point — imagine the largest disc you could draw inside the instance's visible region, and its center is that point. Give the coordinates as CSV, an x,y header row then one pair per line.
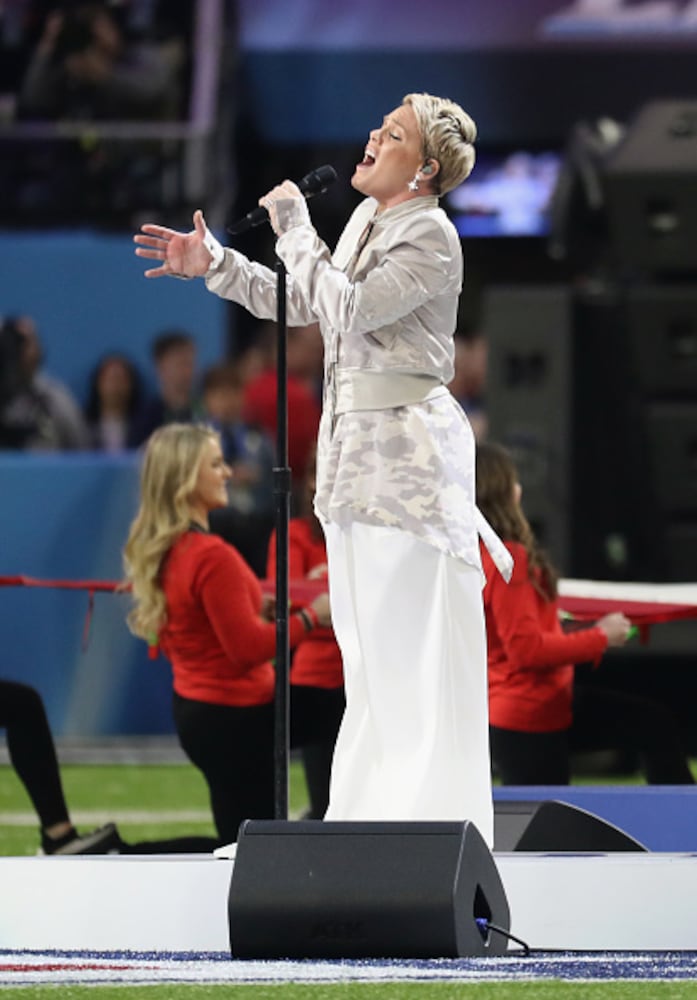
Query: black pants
x,y
233,748
315,717
602,720
609,720
32,751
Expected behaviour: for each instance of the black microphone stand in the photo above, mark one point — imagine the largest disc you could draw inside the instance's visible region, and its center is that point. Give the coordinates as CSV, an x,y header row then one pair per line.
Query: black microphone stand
x,y
316,182
282,488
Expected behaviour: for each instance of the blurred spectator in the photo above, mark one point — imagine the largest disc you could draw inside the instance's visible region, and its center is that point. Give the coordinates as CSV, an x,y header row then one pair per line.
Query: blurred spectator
x,y
85,66
247,521
96,61
114,403
469,382
16,19
37,412
304,362
252,361
247,450
174,355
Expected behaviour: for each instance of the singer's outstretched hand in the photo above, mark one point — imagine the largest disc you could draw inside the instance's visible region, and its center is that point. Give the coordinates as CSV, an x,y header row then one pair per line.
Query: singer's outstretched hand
x,y
181,254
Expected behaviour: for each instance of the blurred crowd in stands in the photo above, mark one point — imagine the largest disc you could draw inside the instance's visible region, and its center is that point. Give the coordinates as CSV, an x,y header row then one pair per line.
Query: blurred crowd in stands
x,y
94,51
121,406
74,75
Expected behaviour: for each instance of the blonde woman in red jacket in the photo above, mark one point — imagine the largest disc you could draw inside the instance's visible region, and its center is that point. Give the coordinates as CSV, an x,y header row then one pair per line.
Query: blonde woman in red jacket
x,y
537,715
197,598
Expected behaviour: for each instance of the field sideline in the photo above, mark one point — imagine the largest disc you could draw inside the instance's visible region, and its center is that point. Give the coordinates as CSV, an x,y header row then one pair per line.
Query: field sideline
x,y
146,800
540,977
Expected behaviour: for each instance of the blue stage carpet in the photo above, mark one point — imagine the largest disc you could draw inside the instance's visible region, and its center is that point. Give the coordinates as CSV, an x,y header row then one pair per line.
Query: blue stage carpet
x,y
19,968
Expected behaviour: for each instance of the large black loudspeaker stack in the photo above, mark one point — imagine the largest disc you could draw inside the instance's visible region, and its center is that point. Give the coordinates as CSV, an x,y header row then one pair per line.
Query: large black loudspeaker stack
x,y
529,401
595,390
650,182
364,890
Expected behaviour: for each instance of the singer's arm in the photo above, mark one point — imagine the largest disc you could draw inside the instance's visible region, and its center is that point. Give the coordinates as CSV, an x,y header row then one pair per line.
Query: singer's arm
x,y
423,260
254,286
230,274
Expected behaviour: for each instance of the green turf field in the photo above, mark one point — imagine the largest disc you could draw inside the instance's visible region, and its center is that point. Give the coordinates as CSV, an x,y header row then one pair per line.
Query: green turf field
x,y
552,990
148,802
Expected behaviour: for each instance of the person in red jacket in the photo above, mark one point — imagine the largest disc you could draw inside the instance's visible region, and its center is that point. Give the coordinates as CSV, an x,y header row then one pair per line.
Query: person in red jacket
x,y
537,714
196,597
317,678
303,391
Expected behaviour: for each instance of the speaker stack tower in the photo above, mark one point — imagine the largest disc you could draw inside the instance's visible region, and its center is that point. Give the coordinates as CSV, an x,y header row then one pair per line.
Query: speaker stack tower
x,y
594,389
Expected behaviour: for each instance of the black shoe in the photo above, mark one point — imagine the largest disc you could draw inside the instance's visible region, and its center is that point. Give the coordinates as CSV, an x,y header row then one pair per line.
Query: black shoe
x,y
105,840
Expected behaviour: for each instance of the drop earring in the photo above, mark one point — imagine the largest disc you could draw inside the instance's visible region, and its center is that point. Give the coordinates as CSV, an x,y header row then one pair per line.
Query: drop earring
x,y
413,185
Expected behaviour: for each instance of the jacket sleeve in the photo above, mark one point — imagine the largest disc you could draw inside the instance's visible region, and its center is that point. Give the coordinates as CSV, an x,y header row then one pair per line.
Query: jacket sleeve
x,y
529,643
222,582
420,264
254,286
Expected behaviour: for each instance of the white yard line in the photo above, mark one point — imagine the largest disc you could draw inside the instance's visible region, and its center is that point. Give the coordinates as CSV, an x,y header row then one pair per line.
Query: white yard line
x,y
94,817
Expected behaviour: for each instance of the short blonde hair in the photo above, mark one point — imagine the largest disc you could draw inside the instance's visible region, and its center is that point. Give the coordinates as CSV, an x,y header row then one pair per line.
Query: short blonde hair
x,y
173,457
448,135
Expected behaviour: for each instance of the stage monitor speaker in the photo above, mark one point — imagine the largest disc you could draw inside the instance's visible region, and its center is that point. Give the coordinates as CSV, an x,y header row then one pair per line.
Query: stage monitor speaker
x,y
311,889
651,190
555,826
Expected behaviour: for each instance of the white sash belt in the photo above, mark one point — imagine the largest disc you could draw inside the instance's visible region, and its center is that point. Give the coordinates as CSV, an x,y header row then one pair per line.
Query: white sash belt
x,y
367,390
355,389
502,558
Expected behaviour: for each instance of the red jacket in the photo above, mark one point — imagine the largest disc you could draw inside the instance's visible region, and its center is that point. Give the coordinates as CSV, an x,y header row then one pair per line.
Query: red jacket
x,y
317,659
261,410
530,658
219,646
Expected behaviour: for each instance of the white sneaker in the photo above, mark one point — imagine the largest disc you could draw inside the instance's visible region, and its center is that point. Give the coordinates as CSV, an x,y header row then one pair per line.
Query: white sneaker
x,y
228,851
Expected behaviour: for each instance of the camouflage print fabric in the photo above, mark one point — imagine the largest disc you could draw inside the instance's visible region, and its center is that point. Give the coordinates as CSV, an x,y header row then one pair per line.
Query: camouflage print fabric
x,y
386,301
410,467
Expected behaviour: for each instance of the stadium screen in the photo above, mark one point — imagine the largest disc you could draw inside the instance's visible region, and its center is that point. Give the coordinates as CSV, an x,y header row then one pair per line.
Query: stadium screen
x,y
507,194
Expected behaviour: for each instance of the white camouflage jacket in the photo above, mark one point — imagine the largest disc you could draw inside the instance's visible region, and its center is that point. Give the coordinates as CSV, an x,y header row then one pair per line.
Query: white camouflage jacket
x,y
394,447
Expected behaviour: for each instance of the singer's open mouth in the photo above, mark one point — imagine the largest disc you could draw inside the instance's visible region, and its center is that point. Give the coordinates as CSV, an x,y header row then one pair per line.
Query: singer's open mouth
x,y
368,159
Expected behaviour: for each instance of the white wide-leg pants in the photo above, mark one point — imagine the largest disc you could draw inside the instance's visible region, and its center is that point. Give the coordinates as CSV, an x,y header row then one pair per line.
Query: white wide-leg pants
x,y
414,741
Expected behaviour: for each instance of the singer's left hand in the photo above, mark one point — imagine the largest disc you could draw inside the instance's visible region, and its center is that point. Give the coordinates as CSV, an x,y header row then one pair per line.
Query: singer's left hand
x,y
183,255
282,191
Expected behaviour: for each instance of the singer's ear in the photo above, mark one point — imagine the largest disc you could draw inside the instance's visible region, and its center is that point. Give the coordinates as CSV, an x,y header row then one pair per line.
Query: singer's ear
x,y
430,168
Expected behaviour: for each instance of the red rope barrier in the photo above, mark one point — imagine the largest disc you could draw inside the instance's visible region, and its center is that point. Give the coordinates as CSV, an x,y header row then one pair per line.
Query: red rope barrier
x,y
640,613
93,585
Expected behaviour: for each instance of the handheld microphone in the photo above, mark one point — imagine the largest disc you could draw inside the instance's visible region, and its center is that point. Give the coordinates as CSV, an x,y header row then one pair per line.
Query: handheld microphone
x,y
316,182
